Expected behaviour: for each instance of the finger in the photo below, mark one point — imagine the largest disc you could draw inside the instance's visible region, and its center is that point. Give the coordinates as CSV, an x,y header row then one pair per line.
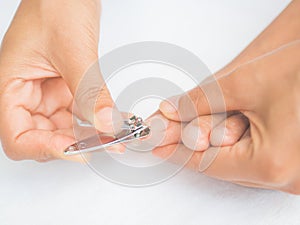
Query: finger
x,y
77,62
66,132
55,95
232,163
214,95
39,145
238,162
42,123
62,119
229,131
166,132
163,131
95,102
197,133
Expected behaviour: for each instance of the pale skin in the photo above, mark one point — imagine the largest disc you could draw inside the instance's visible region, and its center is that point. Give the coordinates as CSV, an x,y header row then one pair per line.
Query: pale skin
x,y
47,49
261,145
45,52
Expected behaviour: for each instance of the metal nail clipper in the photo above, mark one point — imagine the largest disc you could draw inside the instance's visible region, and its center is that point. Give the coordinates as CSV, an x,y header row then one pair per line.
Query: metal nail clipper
x,y
132,129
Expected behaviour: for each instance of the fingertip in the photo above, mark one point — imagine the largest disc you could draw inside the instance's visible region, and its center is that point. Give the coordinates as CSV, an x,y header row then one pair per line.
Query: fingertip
x,y
158,123
58,143
103,120
169,107
80,158
196,137
108,120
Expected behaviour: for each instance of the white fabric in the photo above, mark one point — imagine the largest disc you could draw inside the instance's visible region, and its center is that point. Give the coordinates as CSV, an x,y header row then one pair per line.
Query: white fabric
x,y
68,193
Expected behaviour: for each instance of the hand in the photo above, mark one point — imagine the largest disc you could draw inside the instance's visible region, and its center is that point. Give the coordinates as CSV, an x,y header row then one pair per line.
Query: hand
x,y
46,51
267,92
225,133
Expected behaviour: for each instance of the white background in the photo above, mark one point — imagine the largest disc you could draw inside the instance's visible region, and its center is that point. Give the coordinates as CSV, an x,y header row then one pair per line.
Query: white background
x,y
68,193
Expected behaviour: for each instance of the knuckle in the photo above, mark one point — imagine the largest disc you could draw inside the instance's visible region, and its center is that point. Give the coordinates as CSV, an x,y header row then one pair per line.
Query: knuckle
x,y
86,93
92,96
103,97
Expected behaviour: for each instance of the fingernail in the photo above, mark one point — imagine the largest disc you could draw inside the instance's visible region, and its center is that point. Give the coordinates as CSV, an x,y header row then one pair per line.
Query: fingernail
x,y
195,138
170,105
108,120
159,124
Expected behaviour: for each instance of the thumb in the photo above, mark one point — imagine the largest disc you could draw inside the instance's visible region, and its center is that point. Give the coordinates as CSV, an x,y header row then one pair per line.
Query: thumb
x,y
82,74
95,103
214,95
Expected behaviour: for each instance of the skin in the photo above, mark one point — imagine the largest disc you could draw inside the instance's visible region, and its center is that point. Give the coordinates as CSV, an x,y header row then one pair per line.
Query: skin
x,y
44,55
262,84
48,49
